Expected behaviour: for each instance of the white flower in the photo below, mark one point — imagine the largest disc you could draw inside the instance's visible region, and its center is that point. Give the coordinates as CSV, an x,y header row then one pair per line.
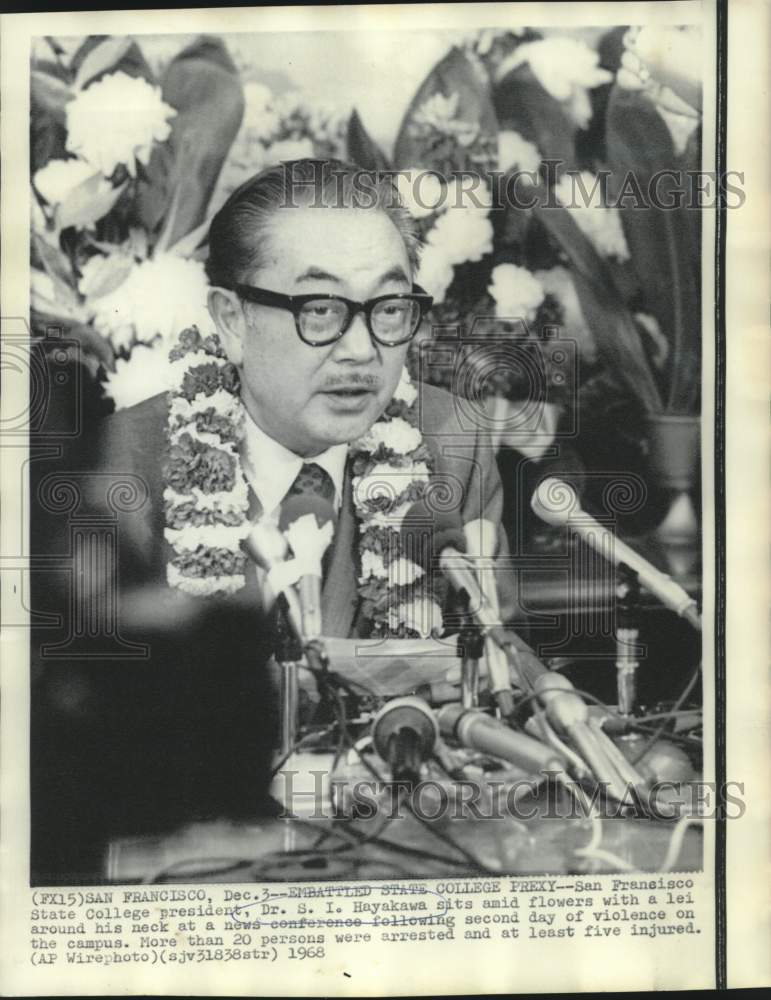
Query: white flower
x,y
462,234
566,68
517,292
422,616
145,373
396,435
514,152
558,281
117,120
435,272
160,296
403,572
405,391
372,565
422,192
58,179
580,194
438,111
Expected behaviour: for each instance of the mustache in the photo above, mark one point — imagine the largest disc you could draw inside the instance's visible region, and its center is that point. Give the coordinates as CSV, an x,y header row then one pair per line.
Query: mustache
x,y
369,381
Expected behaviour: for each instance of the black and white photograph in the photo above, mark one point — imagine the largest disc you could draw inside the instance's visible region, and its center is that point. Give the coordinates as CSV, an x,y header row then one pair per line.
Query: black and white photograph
x,y
372,491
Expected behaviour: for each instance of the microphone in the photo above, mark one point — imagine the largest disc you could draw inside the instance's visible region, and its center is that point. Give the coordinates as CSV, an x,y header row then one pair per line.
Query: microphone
x,y
269,549
307,523
404,733
481,543
478,731
557,503
431,537
567,711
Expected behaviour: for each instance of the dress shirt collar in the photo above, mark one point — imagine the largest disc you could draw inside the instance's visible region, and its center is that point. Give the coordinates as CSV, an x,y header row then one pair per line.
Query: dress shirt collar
x,y
271,468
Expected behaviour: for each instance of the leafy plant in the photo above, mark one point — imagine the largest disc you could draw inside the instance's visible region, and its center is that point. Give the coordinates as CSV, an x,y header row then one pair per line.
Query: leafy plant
x,y
90,235
639,309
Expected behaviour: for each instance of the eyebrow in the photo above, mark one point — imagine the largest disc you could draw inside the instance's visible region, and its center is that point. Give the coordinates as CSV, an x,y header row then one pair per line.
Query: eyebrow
x,y
314,273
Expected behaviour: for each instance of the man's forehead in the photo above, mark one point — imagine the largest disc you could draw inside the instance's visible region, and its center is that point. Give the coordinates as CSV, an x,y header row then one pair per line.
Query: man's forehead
x,y
334,240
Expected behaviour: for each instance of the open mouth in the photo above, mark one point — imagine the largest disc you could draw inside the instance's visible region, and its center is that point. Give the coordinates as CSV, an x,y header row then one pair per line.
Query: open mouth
x,y
350,398
354,392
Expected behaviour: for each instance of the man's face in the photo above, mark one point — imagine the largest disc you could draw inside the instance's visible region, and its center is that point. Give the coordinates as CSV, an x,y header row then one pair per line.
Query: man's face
x,y
310,398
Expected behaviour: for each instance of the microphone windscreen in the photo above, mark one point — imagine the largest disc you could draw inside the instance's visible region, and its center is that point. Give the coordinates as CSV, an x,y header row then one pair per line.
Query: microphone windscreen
x,y
554,501
426,533
302,504
266,545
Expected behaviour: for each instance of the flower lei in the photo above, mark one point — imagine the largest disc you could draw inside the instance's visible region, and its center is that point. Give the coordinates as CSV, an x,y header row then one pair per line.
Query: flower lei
x,y
206,495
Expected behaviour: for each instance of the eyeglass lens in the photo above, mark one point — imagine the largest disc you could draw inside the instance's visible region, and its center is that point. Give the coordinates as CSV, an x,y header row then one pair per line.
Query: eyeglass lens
x,y
391,320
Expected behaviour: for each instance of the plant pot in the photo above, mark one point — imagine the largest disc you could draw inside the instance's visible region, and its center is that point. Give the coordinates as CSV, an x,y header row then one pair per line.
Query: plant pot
x,y
673,458
673,454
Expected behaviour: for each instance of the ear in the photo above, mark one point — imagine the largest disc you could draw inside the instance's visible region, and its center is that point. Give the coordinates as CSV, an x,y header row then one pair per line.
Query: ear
x,y
225,309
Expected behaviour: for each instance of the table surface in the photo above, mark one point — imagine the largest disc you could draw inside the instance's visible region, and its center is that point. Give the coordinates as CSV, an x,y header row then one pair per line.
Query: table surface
x,y
270,850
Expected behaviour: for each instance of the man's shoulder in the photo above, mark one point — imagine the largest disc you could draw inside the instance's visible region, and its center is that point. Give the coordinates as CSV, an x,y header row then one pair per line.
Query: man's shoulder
x,y
442,412
152,410
136,428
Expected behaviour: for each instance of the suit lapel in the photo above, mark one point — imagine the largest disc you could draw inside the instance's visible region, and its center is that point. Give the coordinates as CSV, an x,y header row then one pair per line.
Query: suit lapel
x,y
340,598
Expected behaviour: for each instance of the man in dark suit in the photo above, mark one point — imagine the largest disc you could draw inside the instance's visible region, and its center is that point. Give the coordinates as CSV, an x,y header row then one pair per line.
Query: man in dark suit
x,y
313,300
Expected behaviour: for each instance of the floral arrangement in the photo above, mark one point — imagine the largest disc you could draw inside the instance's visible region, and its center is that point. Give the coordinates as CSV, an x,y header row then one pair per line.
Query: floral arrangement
x,y
129,161
279,127
513,103
206,496
122,177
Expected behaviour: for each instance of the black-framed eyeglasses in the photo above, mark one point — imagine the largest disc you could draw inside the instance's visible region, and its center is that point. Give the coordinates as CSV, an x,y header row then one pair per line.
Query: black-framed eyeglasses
x,y
321,318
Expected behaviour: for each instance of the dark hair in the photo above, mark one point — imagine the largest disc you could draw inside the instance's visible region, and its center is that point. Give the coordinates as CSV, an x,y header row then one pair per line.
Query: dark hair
x,y
239,229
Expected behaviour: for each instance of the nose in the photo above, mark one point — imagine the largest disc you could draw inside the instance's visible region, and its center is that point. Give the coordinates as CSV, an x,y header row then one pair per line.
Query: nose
x,y
356,344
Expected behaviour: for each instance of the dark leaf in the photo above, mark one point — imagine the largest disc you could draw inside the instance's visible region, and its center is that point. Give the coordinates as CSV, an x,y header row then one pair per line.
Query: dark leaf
x,y
203,85
611,48
453,75
661,240
53,261
132,62
52,68
103,58
522,105
48,119
362,149
606,313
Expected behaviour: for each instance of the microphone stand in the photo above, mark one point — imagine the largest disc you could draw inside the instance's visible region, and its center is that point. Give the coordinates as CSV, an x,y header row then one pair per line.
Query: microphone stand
x,y
289,655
